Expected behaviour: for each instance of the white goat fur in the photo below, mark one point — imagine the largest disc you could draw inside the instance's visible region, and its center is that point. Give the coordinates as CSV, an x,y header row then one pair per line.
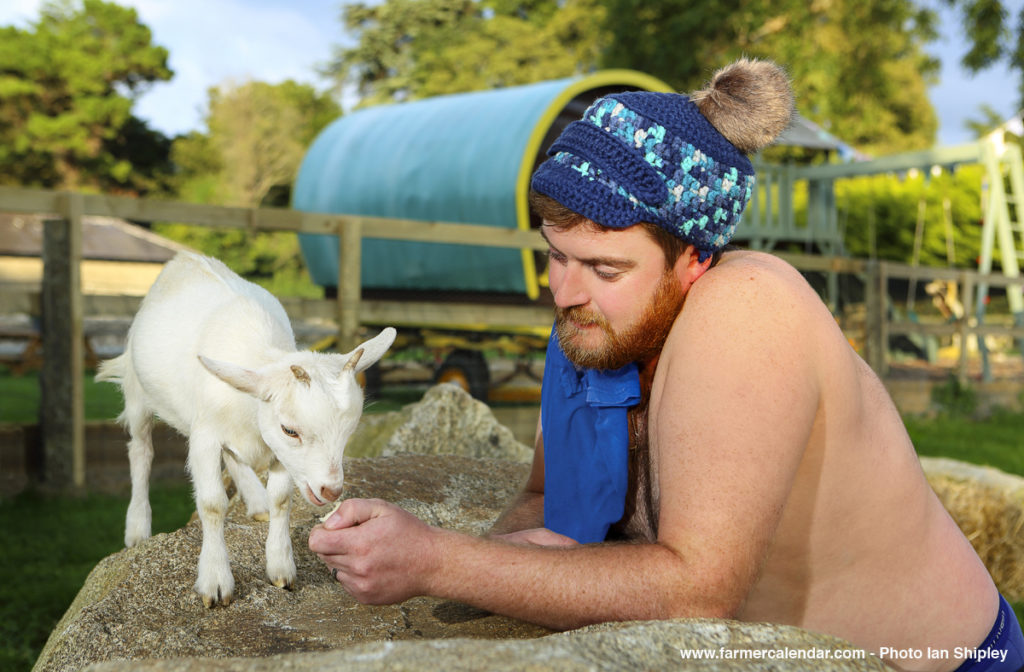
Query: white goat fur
x,y
214,356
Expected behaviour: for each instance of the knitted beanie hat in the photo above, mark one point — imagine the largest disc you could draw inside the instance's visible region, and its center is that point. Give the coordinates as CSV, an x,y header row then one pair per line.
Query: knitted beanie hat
x,y
673,160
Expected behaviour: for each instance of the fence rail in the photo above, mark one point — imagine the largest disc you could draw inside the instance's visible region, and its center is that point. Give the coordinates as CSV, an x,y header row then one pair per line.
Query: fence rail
x,y
63,306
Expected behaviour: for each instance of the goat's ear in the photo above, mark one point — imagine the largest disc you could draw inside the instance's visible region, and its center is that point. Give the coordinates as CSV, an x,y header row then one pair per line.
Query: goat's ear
x,y
300,374
350,365
240,378
373,349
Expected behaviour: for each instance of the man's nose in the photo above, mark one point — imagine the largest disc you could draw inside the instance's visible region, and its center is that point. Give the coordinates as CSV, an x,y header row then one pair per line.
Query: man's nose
x,y
569,290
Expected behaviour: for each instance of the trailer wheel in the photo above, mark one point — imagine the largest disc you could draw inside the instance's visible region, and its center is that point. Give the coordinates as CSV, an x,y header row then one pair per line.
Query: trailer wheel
x,y
467,369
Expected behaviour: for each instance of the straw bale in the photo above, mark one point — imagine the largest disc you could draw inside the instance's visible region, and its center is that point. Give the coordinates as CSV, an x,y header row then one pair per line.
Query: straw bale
x,y
988,505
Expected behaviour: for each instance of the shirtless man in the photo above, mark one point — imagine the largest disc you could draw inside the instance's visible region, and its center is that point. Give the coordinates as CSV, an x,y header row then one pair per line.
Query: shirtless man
x,y
753,464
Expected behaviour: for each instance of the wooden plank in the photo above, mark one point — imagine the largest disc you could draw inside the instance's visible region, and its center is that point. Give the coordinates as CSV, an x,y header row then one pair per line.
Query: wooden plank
x,y
874,303
441,232
895,163
810,262
272,219
349,285
464,316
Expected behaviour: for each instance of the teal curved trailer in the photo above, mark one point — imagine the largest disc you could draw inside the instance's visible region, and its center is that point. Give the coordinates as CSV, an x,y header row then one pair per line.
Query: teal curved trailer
x,y
464,158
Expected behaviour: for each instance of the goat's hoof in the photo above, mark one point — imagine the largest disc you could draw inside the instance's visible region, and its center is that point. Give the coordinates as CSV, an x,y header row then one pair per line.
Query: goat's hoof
x,y
283,582
262,516
210,601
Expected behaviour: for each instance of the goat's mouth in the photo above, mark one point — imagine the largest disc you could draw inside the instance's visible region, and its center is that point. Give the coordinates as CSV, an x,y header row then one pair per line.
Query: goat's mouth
x,y
313,499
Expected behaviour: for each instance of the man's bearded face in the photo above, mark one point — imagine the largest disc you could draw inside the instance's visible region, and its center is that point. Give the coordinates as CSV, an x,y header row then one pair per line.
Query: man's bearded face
x,y
638,342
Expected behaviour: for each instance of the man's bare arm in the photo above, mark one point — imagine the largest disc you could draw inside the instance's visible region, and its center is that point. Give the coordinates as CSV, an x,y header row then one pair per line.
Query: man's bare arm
x,y
526,511
385,555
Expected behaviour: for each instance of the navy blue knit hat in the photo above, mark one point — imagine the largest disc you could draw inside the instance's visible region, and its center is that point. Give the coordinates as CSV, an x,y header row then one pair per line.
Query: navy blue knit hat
x,y
673,160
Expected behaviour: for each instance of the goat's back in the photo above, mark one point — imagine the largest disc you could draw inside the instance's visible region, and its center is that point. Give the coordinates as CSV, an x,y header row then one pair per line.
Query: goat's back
x,y
199,306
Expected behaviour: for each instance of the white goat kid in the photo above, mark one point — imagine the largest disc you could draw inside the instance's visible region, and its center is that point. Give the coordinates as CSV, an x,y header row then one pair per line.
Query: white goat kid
x,y
266,405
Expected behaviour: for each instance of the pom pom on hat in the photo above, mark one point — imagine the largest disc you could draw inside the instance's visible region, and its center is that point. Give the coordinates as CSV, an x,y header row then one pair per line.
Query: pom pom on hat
x,y
749,102
674,160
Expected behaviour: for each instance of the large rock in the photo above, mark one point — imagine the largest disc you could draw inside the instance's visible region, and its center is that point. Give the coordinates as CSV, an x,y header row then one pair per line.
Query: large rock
x,y
137,610
651,645
139,603
446,421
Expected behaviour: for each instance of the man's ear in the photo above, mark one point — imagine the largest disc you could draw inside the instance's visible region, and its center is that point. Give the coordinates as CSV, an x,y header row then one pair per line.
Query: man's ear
x,y
689,267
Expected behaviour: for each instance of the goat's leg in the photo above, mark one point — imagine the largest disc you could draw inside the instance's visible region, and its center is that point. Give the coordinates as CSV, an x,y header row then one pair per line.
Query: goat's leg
x,y
214,582
139,520
280,563
249,486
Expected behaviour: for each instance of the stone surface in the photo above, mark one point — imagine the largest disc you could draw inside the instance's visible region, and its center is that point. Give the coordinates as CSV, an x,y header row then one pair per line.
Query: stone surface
x,y
139,603
653,645
137,610
449,421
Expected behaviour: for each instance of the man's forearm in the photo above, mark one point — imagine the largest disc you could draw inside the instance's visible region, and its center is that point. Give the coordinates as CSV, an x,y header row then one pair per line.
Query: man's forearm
x,y
525,512
564,588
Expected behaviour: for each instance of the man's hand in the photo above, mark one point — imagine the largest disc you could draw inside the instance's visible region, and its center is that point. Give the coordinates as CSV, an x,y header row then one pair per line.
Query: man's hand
x,y
382,553
538,536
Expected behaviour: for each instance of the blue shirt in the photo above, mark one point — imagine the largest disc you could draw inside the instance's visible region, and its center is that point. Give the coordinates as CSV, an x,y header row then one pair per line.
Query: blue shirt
x,y
586,444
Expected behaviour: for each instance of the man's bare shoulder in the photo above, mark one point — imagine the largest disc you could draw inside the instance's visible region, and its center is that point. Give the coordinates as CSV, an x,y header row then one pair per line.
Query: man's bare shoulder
x,y
751,311
753,285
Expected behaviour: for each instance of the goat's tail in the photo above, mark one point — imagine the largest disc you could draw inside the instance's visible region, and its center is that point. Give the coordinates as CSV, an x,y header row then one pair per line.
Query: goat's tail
x,y
113,370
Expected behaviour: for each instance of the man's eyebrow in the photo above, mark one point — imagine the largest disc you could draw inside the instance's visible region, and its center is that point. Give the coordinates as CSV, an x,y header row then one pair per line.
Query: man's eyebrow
x,y
615,262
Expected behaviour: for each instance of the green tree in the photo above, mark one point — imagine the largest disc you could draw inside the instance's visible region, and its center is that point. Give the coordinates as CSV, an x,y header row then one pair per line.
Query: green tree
x,y
880,215
857,65
994,36
408,49
67,87
258,135
989,119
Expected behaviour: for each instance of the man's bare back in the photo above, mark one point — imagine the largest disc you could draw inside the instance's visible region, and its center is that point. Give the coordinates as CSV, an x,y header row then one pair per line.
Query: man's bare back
x,y
860,539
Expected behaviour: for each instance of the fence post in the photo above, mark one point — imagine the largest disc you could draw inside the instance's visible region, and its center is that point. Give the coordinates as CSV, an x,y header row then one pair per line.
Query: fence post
x,y
967,292
350,291
874,316
61,411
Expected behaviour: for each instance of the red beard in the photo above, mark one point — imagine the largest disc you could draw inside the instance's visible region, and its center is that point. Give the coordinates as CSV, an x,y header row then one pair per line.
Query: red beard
x,y
639,342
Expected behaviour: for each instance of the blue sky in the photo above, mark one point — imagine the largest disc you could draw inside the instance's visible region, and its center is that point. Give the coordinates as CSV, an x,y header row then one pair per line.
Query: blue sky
x,y
274,40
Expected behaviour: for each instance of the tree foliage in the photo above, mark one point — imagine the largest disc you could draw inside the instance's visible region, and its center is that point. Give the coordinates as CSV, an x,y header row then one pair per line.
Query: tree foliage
x,y
994,35
880,216
857,65
258,134
67,86
408,49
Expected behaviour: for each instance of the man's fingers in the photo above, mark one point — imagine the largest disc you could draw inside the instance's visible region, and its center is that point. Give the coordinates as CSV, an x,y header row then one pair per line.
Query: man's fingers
x,y
352,512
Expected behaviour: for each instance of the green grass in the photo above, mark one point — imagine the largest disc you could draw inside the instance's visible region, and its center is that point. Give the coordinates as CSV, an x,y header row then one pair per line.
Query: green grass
x,y
50,544
994,441
20,398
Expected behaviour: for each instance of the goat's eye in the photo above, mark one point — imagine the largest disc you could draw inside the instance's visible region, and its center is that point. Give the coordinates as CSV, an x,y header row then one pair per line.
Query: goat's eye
x,y
289,432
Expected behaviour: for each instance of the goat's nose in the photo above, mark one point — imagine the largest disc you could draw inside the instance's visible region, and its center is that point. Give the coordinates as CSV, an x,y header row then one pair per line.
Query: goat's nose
x,y
328,494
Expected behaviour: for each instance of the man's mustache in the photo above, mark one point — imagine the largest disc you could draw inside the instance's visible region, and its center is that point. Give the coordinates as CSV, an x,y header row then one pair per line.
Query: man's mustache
x,y
581,316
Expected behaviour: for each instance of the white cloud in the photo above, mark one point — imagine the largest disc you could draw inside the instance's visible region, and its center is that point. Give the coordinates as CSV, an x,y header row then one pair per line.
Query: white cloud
x,y
231,41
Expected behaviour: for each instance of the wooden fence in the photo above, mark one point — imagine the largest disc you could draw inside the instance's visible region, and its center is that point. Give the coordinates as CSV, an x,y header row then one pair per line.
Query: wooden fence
x,y
63,307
